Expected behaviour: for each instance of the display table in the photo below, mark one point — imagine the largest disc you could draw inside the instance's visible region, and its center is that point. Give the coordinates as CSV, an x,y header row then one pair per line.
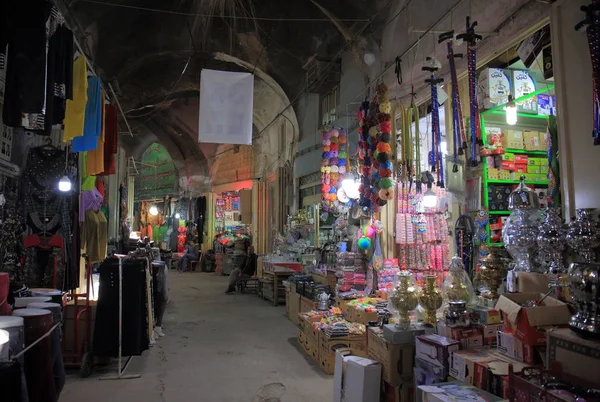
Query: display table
x,y
294,266
272,287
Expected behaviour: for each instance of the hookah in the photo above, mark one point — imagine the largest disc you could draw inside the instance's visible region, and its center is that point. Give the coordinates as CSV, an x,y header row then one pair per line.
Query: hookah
x,y
592,28
459,137
472,38
435,155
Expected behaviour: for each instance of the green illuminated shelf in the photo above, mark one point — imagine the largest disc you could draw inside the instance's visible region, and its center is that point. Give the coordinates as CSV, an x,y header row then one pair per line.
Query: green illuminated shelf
x,y
497,117
529,183
523,151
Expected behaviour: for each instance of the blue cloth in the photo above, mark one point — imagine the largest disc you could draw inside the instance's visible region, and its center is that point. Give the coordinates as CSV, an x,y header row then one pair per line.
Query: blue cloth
x,y
92,127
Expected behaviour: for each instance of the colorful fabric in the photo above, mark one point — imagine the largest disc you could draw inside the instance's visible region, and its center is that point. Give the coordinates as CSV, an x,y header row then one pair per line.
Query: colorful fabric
x,y
92,127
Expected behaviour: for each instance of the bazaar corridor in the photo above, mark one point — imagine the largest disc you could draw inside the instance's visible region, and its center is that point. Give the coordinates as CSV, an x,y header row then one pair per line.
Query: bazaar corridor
x,y
217,348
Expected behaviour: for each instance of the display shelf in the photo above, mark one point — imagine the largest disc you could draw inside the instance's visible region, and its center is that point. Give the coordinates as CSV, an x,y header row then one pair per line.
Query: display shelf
x,y
497,117
529,183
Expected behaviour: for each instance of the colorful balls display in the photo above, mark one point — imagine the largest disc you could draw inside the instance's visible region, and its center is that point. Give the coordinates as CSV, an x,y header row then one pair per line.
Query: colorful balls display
x,y
364,243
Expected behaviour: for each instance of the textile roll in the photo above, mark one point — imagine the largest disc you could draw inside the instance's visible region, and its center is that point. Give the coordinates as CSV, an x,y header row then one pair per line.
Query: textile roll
x,y
22,302
57,358
55,294
38,364
14,326
4,287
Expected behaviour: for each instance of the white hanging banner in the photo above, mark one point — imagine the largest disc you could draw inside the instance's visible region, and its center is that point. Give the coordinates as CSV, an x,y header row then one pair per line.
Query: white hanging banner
x,y
226,106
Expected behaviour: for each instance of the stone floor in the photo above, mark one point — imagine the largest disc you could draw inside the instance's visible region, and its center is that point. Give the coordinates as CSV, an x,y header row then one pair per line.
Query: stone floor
x,y
218,347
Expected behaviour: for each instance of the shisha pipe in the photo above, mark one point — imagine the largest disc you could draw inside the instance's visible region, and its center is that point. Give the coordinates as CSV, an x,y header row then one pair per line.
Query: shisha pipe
x,y
435,156
592,28
458,128
472,38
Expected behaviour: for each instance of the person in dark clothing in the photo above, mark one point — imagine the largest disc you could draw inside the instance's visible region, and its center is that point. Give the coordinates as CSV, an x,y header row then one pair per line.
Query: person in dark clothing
x,y
247,270
191,254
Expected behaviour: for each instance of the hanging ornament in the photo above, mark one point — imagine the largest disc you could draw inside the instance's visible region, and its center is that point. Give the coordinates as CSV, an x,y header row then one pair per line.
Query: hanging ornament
x,y
435,155
364,243
471,38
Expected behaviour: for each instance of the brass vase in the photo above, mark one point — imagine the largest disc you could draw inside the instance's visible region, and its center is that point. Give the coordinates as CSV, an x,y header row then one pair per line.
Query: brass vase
x,y
431,300
404,298
494,267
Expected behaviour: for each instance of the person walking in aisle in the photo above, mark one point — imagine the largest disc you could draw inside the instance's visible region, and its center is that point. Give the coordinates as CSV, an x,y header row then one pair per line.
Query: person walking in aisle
x,y
191,254
247,270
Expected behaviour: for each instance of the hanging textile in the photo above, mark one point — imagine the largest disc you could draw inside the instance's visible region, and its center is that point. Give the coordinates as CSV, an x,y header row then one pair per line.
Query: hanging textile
x,y
136,300
95,158
111,140
75,107
25,35
92,127
94,237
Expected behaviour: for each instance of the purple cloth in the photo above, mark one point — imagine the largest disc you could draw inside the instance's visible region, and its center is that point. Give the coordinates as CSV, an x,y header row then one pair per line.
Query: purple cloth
x,y
90,199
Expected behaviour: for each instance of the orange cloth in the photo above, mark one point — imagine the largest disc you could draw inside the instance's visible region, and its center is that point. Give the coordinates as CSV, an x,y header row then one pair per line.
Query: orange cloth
x,y
95,158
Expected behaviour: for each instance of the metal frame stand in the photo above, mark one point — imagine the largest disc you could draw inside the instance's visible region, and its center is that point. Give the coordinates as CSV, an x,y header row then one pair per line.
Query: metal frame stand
x,y
121,368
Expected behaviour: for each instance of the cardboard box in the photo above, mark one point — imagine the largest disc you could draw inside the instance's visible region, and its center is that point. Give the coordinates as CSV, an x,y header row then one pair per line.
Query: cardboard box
x,y
293,306
342,304
453,391
530,282
521,159
543,141
309,345
520,169
513,139
307,304
493,88
468,337
529,324
431,372
523,85
305,325
356,379
397,361
510,346
498,376
466,365
354,314
533,169
328,347
531,140
489,333
493,174
493,135
70,312
577,357
435,349
508,165
404,392
504,174
398,336
485,315
546,105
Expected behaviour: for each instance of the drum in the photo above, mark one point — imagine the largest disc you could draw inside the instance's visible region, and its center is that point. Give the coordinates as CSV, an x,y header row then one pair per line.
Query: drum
x,y
55,294
14,326
39,373
57,359
22,302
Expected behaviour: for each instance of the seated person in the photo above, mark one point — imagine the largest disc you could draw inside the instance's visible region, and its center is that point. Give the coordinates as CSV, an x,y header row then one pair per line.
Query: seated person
x,y
247,270
191,254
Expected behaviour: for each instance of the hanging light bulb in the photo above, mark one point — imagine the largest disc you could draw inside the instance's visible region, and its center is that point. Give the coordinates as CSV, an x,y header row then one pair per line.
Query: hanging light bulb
x,y
348,182
64,184
177,215
511,111
429,199
153,210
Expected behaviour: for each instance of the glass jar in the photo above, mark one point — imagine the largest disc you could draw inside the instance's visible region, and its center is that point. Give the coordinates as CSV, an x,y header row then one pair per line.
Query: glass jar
x,y
551,241
457,284
582,235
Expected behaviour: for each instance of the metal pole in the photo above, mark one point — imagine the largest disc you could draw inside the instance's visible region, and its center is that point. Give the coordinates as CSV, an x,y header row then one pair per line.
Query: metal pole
x,y
120,375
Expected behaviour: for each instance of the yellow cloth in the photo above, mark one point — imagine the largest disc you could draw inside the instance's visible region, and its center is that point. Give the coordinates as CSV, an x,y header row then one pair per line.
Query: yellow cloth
x,y
95,158
94,238
75,112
